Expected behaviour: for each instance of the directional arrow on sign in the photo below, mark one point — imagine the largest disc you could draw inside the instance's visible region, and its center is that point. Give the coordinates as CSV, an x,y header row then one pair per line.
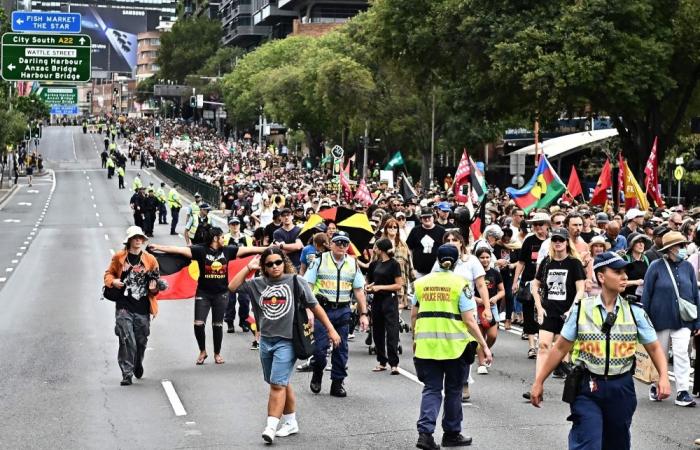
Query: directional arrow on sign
x,y
11,67
19,21
82,41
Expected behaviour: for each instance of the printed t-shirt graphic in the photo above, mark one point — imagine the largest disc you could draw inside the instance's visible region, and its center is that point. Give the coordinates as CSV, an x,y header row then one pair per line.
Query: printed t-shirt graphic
x,y
276,301
556,284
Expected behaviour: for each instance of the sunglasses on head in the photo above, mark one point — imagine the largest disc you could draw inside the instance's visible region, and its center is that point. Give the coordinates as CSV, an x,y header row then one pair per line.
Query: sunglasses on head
x,y
271,264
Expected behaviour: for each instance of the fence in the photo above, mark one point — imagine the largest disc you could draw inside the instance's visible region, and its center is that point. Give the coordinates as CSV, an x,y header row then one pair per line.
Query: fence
x,y
210,193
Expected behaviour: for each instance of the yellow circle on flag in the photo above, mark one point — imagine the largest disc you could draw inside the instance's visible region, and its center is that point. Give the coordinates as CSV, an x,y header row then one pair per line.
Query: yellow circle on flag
x,y
678,173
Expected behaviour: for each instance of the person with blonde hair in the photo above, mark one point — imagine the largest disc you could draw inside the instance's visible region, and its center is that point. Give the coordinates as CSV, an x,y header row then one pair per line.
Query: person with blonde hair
x,y
402,254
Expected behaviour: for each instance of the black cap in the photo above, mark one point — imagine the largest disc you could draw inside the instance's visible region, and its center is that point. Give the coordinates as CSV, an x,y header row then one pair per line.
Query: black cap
x,y
424,212
661,230
205,206
560,233
284,211
234,219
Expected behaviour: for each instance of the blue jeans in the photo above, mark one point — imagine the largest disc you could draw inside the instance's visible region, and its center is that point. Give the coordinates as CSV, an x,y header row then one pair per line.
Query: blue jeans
x,y
340,318
277,358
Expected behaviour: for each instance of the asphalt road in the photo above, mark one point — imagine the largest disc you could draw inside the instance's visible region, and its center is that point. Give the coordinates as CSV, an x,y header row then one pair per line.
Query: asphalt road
x,y
59,379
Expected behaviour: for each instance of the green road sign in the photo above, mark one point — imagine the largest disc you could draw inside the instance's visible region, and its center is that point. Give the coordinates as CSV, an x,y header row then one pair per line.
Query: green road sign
x,y
54,95
46,57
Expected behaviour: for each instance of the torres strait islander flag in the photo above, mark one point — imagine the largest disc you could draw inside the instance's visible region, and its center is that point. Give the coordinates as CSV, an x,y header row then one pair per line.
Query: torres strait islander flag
x,y
544,187
182,274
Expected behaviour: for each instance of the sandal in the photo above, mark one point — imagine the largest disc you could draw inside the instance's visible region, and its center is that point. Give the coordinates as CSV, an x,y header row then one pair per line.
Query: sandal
x,y
219,359
201,359
395,371
532,354
379,368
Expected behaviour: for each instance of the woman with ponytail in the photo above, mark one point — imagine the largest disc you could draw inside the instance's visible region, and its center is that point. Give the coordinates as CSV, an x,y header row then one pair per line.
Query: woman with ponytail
x,y
384,283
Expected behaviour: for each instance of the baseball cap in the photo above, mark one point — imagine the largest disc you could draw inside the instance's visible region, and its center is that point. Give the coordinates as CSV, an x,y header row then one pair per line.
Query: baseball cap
x,y
661,230
633,213
284,211
234,219
197,194
447,252
609,259
540,217
602,217
340,236
424,212
560,233
444,207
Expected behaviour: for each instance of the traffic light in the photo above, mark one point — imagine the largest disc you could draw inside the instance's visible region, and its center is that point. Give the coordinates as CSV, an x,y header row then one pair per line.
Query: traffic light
x,y
116,91
193,101
89,96
156,130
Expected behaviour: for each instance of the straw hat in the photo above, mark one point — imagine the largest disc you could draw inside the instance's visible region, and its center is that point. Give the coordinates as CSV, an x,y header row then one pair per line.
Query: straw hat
x,y
671,239
599,240
540,217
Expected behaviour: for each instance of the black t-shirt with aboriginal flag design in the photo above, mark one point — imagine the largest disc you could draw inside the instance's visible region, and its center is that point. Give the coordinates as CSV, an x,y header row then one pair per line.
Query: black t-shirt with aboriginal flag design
x,y
213,267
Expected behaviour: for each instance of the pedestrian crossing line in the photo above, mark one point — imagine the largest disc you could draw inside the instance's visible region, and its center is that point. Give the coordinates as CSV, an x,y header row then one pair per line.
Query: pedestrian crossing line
x,y
174,399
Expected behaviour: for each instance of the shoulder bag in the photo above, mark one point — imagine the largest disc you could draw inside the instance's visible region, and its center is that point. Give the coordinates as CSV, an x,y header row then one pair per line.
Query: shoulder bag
x,y
688,310
302,336
112,294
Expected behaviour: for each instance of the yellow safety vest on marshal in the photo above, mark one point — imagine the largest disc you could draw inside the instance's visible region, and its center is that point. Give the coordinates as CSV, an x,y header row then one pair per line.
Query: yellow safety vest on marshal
x,y
440,332
603,356
334,283
174,199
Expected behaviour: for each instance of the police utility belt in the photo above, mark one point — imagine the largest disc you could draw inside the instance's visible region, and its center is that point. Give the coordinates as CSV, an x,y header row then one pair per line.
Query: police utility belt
x,y
327,304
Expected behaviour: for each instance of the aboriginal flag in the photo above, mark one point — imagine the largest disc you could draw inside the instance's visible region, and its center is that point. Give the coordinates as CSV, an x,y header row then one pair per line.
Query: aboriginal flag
x,y
182,274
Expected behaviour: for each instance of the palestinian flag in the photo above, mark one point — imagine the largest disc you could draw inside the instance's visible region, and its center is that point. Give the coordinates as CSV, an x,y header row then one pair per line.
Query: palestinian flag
x,y
182,274
477,180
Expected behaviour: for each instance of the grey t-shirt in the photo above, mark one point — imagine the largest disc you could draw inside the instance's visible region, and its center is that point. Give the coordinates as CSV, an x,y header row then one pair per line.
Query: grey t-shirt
x,y
273,303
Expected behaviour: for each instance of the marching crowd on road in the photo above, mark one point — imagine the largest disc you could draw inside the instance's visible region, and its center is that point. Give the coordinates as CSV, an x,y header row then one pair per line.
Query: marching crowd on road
x,y
591,287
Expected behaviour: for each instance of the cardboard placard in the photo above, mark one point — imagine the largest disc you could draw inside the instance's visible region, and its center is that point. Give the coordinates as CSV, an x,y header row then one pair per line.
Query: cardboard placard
x,y
645,371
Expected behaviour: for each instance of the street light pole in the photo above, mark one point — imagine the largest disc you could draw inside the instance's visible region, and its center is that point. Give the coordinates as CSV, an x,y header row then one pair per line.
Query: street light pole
x,y
364,154
432,144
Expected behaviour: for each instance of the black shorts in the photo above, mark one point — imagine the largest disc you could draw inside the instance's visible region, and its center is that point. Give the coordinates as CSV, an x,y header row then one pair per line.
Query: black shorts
x,y
553,322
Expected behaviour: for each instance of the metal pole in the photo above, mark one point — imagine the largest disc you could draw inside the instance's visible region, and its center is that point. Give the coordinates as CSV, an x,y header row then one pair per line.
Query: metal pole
x,y
364,154
432,144
260,125
678,201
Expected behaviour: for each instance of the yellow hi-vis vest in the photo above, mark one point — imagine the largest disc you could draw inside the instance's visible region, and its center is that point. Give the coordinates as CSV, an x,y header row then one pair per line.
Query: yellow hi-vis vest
x,y
195,224
120,171
440,332
174,199
334,283
110,162
605,355
136,184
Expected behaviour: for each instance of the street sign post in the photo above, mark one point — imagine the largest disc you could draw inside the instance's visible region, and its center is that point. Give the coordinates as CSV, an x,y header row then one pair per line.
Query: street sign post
x,y
46,22
65,110
52,95
678,175
46,57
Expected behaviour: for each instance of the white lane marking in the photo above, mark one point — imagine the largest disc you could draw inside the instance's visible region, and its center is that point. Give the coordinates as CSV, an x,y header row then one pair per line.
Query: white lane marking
x,y
32,191
84,171
97,214
94,205
90,189
106,237
99,224
87,176
14,261
19,254
179,235
25,243
174,399
9,269
111,251
410,376
11,221
32,233
72,138
92,197
24,204
30,238
3,279
147,172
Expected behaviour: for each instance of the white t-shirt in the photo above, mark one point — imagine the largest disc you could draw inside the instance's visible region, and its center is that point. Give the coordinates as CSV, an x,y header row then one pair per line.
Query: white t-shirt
x,y
470,270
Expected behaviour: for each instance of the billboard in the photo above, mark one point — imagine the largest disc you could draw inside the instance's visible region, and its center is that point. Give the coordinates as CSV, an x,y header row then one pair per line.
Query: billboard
x,y
113,32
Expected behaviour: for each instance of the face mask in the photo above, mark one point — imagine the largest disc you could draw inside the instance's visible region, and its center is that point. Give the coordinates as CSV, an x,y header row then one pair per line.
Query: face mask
x,y
682,254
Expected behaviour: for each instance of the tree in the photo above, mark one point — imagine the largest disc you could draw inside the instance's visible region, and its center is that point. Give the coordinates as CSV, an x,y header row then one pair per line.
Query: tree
x,y
144,90
185,48
32,107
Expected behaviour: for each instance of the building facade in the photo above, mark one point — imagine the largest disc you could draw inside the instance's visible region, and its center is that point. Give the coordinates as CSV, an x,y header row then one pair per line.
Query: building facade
x,y
147,54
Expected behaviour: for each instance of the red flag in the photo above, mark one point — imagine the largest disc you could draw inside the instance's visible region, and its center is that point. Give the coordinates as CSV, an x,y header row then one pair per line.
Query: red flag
x,y
600,194
362,195
573,187
620,179
347,190
462,177
651,176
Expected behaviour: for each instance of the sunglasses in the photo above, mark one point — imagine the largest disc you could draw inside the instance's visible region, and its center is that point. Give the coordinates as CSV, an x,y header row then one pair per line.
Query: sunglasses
x,y
342,243
539,224
271,264
676,223
401,218
561,241
558,222
392,227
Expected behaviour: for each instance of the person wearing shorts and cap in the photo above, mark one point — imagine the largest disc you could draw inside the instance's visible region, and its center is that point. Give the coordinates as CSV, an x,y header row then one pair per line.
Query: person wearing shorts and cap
x,y
445,336
603,331
135,271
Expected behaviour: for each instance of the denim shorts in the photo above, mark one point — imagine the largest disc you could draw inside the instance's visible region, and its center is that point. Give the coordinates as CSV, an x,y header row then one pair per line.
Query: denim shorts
x,y
277,358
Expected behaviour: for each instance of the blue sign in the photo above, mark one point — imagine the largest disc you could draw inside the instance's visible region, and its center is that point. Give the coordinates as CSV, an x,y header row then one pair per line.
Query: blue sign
x,y
46,22
65,110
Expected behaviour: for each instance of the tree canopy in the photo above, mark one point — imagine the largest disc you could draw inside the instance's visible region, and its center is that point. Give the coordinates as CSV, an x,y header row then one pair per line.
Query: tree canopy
x,y
186,48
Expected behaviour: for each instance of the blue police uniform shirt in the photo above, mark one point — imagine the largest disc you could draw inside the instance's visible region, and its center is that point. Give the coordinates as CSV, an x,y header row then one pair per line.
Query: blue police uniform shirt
x,y
312,272
466,303
645,331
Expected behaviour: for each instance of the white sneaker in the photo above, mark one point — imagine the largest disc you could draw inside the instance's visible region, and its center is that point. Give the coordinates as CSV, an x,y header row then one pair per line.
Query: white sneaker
x,y
268,435
482,370
288,428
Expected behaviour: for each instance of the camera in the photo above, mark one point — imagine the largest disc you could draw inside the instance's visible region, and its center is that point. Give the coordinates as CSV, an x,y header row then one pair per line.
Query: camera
x,y
154,275
609,322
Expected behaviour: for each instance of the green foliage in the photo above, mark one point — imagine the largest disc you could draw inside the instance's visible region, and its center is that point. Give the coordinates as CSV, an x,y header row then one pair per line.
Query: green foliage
x,y
144,90
687,147
187,47
32,107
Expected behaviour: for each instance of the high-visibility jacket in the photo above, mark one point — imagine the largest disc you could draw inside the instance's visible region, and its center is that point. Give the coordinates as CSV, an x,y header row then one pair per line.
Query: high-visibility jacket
x,y
440,332
136,184
333,282
110,162
160,195
120,171
611,354
194,209
174,199
248,240
192,230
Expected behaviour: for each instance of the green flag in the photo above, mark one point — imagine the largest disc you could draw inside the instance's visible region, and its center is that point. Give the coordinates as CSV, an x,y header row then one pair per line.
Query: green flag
x,y
396,160
327,159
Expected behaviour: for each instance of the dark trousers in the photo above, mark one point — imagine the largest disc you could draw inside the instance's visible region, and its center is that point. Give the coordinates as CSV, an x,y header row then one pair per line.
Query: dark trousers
x,y
149,220
162,214
110,172
340,318
385,330
104,163
530,325
602,419
243,308
133,330
138,220
175,216
436,376
121,182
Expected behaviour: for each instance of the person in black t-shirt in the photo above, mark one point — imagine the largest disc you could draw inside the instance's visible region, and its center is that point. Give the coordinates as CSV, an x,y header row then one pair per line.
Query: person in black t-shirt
x,y
423,241
271,227
384,282
560,280
494,284
525,272
212,285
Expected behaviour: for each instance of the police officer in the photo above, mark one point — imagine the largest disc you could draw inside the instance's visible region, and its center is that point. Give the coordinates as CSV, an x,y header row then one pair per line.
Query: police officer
x,y
110,167
196,227
103,156
335,277
120,175
604,331
150,206
162,211
236,238
193,208
136,184
175,204
136,204
445,336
